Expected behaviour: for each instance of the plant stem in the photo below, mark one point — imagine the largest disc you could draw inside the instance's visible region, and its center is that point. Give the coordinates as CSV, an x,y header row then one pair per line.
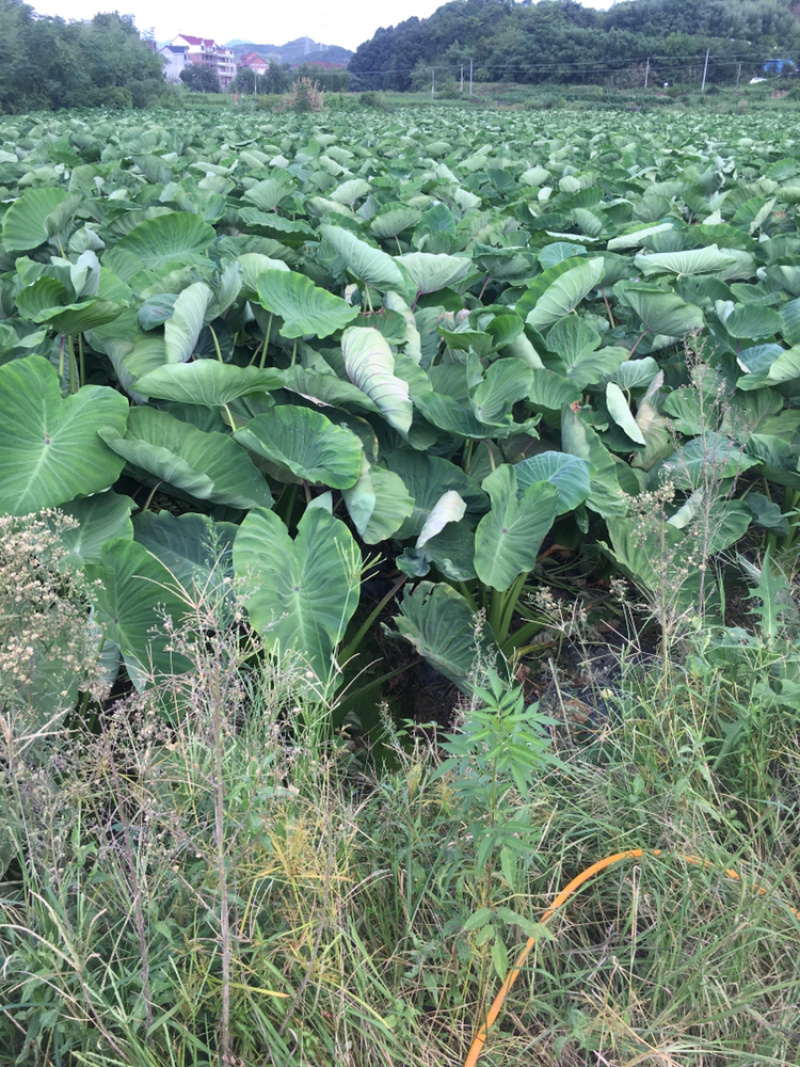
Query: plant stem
x,y
266,342
222,874
73,387
81,358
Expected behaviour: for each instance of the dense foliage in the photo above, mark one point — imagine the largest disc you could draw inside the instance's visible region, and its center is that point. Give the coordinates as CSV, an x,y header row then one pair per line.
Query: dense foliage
x,y
245,359
454,342
50,63
278,79
560,40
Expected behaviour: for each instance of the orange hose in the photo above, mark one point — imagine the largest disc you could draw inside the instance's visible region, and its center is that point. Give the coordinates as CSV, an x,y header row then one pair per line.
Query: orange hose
x,y
631,854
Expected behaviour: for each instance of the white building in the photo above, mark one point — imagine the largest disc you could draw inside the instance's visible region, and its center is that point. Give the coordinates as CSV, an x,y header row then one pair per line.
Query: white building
x,y
203,51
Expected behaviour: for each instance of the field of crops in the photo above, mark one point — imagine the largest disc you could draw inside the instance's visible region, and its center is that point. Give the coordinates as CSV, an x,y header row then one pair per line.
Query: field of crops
x,y
395,374
455,338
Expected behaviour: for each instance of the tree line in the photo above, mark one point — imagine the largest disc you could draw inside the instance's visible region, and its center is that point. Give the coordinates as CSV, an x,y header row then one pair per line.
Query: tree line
x,y
49,63
561,41
278,78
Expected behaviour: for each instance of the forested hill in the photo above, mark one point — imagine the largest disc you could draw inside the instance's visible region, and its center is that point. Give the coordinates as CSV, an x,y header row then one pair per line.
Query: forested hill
x,y
559,40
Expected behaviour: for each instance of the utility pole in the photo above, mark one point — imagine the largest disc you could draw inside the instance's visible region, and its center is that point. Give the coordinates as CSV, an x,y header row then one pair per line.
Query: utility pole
x,y
705,71
433,81
647,72
462,77
470,77
738,76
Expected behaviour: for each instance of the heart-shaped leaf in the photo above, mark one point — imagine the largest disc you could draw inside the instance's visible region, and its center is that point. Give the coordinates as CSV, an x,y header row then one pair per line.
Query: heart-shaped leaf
x,y
566,292
25,222
207,382
183,327
306,443
569,474
304,592
50,451
207,465
370,365
135,592
621,414
304,307
378,503
508,539
368,264
442,627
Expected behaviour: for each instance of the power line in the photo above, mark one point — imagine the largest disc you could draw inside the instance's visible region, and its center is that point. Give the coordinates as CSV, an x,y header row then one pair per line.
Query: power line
x,y
587,66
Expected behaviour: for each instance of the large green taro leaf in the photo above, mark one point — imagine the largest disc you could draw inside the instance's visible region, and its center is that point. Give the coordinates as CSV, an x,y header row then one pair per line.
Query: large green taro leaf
x,y
508,539
183,327
293,234
640,551
25,222
528,300
661,312
441,626
173,239
132,355
73,319
135,593
304,307
565,293
207,465
448,508
392,222
370,265
445,413
323,387
753,321
505,382
550,390
571,475
708,260
709,457
100,518
301,593
582,441
370,365
348,192
306,443
193,547
50,451
267,194
207,382
621,414
776,365
378,503
427,478
430,272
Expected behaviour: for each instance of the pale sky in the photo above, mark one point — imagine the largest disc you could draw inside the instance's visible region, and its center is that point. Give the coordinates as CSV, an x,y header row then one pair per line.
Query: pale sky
x,y
346,23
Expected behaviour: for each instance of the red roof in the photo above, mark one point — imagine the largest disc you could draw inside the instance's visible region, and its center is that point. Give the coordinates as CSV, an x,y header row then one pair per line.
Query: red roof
x,y
197,40
252,57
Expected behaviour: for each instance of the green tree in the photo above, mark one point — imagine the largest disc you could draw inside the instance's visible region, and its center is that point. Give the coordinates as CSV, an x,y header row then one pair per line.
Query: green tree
x,y
277,79
117,58
200,79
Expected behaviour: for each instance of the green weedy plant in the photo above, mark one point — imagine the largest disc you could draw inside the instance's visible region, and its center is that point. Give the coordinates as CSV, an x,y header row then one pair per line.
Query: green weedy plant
x,y
494,760
752,681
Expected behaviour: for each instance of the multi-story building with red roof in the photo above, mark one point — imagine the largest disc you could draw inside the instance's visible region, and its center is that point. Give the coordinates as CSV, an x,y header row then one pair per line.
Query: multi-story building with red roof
x,y
203,51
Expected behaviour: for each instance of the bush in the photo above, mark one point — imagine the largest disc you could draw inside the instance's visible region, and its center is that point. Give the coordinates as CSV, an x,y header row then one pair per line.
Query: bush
x,y
267,101
304,97
371,98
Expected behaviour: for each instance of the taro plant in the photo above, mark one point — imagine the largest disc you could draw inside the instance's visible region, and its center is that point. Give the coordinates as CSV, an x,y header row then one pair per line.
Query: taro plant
x,y
462,340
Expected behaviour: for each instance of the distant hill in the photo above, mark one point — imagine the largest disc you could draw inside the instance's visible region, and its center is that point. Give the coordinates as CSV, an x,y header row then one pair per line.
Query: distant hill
x,y
633,43
301,50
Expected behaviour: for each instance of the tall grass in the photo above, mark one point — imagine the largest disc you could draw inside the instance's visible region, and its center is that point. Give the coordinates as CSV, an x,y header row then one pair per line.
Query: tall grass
x,y
205,873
